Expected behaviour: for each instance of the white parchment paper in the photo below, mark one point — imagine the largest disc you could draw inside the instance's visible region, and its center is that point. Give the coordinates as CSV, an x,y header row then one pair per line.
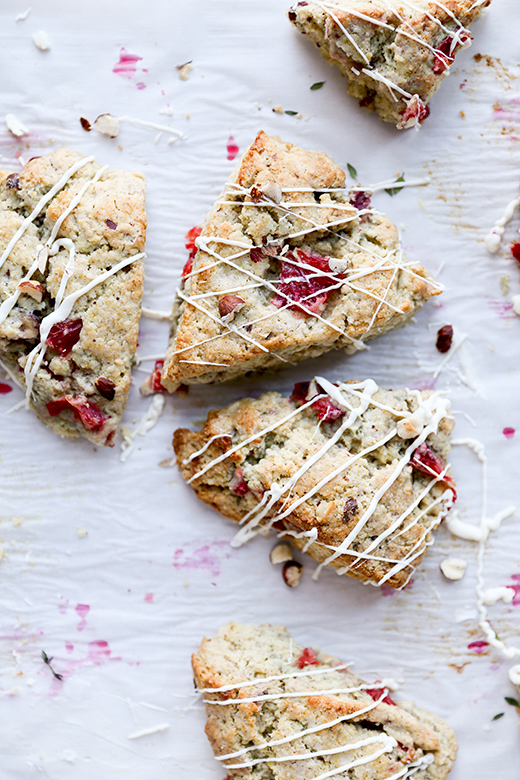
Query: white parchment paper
x,y
115,569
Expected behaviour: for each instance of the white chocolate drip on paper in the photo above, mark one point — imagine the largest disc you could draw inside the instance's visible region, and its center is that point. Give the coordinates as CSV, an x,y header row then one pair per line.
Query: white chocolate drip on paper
x,y
431,411
485,597
494,237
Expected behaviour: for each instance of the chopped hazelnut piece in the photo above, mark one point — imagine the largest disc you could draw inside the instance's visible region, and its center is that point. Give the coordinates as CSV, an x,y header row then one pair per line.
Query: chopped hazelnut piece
x,y
281,553
34,289
292,572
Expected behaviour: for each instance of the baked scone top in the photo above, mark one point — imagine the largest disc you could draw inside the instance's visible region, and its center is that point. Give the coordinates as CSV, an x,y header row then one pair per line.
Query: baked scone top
x,y
288,268
71,275
394,53
280,711
355,475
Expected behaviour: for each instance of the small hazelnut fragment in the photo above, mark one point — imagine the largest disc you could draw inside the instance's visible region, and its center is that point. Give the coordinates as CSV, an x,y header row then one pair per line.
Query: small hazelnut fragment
x,y
85,124
34,289
106,124
273,191
255,194
13,181
410,427
453,568
184,70
106,388
350,509
292,572
281,553
229,305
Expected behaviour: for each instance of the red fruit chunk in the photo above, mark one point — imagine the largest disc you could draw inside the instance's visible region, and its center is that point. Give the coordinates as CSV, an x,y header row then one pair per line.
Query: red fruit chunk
x,y
326,410
238,485
155,378
299,284
190,245
441,63
427,462
415,113
444,338
515,251
85,411
307,658
64,335
4,389
376,694
361,200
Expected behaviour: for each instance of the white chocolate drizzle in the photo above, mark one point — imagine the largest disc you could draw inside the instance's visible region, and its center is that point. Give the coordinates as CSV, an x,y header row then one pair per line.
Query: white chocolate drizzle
x,y
342,278
269,510
460,37
382,739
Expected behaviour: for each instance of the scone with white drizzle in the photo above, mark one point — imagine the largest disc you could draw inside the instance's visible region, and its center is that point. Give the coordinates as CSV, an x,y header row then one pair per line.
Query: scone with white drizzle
x,y
72,235
279,711
355,475
394,53
288,266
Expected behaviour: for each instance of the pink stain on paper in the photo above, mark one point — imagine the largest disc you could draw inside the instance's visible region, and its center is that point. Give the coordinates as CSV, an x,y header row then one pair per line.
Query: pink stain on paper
x,y
98,653
82,611
127,65
509,433
205,558
503,309
148,597
515,585
479,647
232,148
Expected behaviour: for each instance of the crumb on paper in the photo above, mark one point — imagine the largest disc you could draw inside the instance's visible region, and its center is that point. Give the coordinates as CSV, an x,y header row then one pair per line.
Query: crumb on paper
x,y
23,16
15,126
166,464
82,532
16,520
41,40
277,109
2,554
185,70
166,111
106,124
505,283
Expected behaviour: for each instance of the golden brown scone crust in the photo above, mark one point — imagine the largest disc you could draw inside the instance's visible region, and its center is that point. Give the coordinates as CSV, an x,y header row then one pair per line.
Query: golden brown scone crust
x,y
204,348
106,227
388,40
276,456
241,653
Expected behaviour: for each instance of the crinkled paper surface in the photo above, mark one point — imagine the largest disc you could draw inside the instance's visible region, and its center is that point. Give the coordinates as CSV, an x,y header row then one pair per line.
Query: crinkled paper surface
x,y
121,607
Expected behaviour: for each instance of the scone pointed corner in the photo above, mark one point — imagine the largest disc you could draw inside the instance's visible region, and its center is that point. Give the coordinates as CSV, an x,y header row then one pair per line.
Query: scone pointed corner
x,y
356,476
288,265
71,284
270,701
393,54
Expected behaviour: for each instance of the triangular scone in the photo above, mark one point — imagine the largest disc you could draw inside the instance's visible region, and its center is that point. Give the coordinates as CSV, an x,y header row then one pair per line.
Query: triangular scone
x,y
288,268
280,711
394,53
354,475
71,282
